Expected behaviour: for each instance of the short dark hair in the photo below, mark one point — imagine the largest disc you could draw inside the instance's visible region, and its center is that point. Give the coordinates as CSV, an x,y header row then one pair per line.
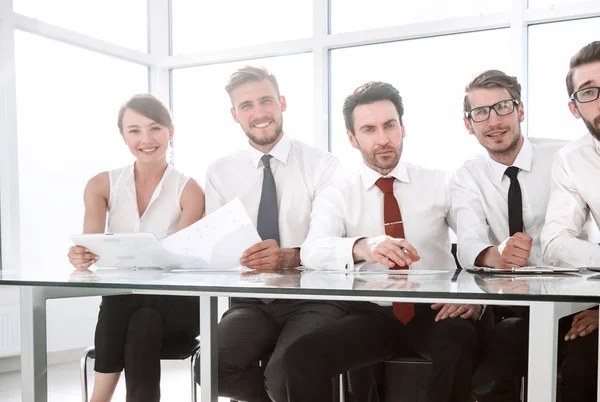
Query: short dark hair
x,y
588,54
149,106
369,93
250,74
492,79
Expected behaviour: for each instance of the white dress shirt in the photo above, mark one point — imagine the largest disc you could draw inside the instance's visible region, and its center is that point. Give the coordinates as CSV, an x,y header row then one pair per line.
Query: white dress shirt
x,y
480,199
162,213
574,194
300,172
352,208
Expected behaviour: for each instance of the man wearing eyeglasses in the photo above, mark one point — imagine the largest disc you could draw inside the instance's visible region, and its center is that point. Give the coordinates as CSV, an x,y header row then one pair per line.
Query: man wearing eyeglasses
x,y
500,200
575,194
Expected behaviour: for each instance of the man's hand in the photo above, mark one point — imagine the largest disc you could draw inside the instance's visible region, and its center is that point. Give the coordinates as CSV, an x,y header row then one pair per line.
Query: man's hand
x,y
464,311
514,251
81,258
385,250
268,255
583,324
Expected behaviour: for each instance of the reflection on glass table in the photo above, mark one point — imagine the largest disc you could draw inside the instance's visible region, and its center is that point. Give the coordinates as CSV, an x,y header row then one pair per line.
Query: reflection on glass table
x,y
313,283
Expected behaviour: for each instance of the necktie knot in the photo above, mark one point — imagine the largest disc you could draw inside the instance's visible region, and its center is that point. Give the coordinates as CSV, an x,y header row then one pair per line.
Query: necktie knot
x,y
386,184
266,160
512,172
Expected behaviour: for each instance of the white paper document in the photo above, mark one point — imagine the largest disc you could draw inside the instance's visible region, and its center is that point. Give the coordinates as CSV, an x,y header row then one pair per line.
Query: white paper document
x,y
218,240
215,242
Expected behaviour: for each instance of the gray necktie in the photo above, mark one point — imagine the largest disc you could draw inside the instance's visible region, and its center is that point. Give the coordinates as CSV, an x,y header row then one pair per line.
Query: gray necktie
x,y
268,214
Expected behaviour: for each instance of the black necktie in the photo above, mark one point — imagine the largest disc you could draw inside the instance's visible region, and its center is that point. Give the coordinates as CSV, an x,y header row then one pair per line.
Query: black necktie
x,y
268,216
515,203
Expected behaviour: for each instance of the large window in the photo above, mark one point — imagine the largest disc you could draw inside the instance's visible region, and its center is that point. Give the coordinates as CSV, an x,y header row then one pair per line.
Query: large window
x,y
204,127
549,115
431,75
354,15
123,22
67,104
211,25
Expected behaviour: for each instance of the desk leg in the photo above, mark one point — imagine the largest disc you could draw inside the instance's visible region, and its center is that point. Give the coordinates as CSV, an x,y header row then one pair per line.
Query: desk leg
x,y
34,382
208,349
543,333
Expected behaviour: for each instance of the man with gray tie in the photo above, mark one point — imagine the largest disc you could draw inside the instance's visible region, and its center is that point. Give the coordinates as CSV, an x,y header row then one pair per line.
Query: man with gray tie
x,y
276,179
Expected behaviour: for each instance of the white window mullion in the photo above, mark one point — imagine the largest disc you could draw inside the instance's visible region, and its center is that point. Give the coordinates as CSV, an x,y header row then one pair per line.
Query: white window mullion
x,y
41,28
9,176
321,74
159,47
518,28
159,38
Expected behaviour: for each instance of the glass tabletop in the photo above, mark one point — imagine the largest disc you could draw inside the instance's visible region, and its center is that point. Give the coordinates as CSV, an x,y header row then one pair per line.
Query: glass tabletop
x,y
581,287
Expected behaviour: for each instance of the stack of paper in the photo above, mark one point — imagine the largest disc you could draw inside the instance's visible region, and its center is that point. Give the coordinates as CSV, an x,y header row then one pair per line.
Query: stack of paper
x,y
215,242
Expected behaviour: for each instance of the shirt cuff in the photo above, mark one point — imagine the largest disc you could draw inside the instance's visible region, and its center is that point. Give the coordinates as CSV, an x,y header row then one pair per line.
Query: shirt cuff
x,y
343,252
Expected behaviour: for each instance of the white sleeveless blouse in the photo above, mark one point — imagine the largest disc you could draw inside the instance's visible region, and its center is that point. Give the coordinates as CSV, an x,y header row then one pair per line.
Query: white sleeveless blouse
x,y
163,211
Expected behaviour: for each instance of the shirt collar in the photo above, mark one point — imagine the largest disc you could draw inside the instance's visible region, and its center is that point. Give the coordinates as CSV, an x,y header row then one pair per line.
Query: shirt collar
x,y
523,161
370,176
280,151
596,143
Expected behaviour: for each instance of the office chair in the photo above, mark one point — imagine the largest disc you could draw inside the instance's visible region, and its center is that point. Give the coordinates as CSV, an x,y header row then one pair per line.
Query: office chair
x,y
180,351
415,360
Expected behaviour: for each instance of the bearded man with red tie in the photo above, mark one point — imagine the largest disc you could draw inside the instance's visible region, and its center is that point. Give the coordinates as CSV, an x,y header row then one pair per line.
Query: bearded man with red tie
x,y
396,214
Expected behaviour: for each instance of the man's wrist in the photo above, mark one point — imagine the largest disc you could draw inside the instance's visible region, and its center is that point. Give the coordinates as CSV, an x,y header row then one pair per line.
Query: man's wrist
x,y
489,257
289,257
358,253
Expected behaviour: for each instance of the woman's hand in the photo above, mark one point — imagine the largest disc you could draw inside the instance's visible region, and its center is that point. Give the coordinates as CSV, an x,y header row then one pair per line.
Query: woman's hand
x,y
81,258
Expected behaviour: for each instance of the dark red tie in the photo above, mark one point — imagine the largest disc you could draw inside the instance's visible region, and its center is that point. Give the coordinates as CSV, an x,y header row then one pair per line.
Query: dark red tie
x,y
393,227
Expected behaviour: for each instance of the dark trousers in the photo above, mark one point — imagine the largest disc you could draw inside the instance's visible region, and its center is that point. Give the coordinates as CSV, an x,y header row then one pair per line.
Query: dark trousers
x,y
498,377
131,332
252,332
372,334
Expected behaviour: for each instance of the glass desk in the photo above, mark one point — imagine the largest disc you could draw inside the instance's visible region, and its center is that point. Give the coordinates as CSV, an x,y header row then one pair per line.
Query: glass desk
x,y
549,298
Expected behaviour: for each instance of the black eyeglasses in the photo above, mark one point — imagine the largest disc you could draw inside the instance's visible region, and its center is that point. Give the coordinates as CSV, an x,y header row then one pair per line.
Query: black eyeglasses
x,y
586,95
501,108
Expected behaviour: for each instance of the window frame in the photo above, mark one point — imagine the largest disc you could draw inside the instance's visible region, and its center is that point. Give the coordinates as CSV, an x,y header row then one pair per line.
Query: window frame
x,y
161,63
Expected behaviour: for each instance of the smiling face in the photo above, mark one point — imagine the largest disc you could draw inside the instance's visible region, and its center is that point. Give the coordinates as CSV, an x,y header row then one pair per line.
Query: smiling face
x,y
499,135
259,111
378,135
147,140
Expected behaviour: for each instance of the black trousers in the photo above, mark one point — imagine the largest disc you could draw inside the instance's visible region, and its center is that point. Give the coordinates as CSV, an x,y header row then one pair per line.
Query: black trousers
x,y
370,335
132,330
497,378
252,332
